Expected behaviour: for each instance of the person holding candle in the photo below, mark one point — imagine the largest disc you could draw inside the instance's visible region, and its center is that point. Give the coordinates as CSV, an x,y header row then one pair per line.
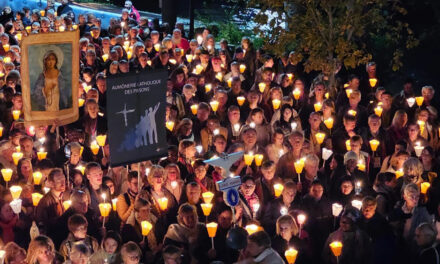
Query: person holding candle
x,y
248,197
206,183
156,191
110,249
193,194
131,253
345,192
287,236
24,171
264,185
50,207
412,173
356,245
187,151
287,118
27,147
270,213
262,128
277,148
125,203
173,182
313,128
150,244
190,235
94,187
285,166
406,216
92,123
396,131
353,84
212,128
414,138
77,225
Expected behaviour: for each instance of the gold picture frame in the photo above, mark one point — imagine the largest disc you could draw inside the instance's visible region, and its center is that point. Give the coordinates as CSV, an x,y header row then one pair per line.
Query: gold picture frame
x,y
50,77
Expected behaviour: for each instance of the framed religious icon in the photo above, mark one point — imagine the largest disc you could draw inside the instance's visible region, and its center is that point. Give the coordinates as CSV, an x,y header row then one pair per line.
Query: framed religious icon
x,y
50,74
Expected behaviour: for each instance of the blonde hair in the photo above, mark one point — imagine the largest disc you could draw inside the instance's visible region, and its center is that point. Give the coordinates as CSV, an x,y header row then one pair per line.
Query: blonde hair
x,y
186,208
155,169
35,245
168,167
287,219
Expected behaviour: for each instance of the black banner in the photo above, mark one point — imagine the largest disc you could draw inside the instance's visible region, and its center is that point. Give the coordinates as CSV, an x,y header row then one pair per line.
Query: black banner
x,y
136,117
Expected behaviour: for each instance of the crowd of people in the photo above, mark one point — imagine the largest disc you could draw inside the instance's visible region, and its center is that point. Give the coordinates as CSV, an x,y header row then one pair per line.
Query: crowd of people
x,y
324,165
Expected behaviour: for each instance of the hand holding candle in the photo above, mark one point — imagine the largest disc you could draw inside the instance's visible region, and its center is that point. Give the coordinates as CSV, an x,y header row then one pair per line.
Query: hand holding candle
x,y
291,255
146,228
278,188
207,197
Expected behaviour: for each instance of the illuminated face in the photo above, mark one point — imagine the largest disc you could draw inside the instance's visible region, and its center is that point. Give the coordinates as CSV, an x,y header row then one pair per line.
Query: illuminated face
x,y
346,187
369,211
95,176
110,245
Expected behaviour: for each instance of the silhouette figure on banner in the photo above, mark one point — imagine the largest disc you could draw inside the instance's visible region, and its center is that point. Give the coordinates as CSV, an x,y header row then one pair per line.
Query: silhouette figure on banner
x,y
144,133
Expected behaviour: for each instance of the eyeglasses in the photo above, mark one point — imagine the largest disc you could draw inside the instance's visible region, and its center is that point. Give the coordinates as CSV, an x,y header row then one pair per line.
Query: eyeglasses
x,y
133,257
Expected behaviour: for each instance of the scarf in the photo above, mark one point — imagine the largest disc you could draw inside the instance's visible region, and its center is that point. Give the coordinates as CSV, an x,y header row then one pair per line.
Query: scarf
x,y
8,230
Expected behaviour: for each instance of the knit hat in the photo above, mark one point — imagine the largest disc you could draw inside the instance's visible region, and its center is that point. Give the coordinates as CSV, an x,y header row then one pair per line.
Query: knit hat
x,y
351,155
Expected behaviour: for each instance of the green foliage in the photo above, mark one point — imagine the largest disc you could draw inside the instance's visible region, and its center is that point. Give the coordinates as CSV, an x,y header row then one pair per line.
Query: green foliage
x,y
227,28
330,33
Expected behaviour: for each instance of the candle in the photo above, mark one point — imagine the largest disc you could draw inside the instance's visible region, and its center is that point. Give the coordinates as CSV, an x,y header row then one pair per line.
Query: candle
x,y
419,100
94,147
7,174
352,112
318,106
356,204
114,201
255,207
206,208
336,248
169,125
104,209
296,93
242,68
163,203
36,197
18,36
189,58
361,165
214,105
258,159
16,114
42,12
75,27
103,196
329,123
374,143
174,184
7,59
411,101
208,87
81,102
61,28
1,131
320,137
212,229
157,47
421,124
252,228
276,103
301,219
80,168
6,47
28,29
424,187
327,95
199,68
15,191
418,148
373,82
194,109
262,87
130,54
46,189
378,110
299,166
41,154
67,204
290,255
237,127
100,139
146,228
16,156
283,210
219,76
326,153
248,158
149,62
37,177
336,209
399,173
348,92
346,85
278,188
207,197
229,81
290,76
240,100
348,145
